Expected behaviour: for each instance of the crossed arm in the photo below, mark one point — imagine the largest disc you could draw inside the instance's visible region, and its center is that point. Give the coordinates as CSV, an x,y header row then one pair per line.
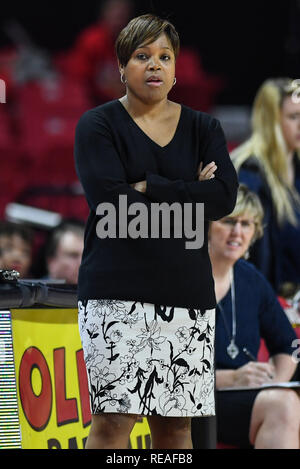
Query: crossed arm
x,y
104,178
203,174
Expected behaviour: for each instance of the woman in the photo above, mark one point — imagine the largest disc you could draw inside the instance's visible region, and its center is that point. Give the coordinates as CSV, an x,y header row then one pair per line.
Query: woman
x,y
268,162
141,310
16,245
247,311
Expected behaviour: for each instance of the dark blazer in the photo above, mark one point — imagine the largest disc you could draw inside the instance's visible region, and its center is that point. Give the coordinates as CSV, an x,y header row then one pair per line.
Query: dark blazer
x,y
269,254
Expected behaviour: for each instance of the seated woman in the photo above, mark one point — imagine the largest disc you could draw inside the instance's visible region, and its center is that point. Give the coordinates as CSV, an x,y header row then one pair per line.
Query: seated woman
x,y
247,311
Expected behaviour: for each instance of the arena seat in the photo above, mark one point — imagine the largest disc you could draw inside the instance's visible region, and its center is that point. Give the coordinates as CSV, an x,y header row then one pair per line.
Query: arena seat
x,y
66,199
10,174
53,96
194,86
48,112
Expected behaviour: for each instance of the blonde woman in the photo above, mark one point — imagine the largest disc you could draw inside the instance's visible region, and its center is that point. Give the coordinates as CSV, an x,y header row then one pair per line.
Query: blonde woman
x,y
247,311
268,162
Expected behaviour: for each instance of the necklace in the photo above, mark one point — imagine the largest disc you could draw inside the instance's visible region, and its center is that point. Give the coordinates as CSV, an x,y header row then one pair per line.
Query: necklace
x,y
232,348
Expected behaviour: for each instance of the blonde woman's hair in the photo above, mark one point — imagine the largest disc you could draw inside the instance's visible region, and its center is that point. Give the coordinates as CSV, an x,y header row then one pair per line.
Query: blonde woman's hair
x,y
248,203
267,145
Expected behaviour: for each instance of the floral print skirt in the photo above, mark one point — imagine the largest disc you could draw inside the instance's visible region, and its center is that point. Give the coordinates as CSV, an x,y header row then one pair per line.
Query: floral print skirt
x,y
148,359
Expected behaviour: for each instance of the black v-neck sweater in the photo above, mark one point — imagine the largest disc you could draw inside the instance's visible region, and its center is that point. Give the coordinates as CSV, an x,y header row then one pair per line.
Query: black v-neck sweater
x,y
112,152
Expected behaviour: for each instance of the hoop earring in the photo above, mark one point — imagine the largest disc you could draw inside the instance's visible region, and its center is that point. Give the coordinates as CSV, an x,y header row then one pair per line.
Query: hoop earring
x,y
174,82
123,80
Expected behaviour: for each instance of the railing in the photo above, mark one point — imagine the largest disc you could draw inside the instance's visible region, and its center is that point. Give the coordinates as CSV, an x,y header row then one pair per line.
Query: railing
x,y
25,294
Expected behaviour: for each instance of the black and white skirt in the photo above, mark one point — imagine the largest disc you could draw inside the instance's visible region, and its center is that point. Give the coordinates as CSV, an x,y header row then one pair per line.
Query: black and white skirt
x,y
148,359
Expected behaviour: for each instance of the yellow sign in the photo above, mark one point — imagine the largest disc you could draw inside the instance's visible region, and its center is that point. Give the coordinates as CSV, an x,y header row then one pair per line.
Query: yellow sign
x,y
53,398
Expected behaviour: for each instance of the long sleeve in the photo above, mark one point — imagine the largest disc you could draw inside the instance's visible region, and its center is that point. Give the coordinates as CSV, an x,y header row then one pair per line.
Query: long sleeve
x,y
262,252
98,165
218,194
135,249
275,326
259,315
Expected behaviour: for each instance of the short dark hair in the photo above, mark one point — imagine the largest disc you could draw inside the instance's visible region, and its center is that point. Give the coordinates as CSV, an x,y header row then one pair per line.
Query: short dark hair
x,y
66,226
10,229
144,29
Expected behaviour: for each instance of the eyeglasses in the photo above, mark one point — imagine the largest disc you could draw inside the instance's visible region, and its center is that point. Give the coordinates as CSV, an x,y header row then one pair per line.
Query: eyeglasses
x,y
246,225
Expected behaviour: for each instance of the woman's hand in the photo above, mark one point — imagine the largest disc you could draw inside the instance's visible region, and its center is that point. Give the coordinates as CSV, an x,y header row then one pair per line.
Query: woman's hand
x,y
207,172
203,174
254,374
140,186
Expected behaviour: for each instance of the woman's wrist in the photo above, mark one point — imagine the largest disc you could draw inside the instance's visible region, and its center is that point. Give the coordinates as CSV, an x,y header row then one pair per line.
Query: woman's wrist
x,y
225,378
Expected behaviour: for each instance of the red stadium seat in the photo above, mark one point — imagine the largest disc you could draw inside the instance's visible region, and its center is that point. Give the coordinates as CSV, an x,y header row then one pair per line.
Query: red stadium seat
x,y
54,96
10,180
48,112
66,200
194,87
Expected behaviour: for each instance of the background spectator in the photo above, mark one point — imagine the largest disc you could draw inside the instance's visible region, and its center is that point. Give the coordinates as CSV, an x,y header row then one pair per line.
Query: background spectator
x,y
16,245
269,163
248,311
93,59
64,251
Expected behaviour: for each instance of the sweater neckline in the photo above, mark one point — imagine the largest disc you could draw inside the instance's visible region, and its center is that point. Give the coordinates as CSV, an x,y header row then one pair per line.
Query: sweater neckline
x,y
147,136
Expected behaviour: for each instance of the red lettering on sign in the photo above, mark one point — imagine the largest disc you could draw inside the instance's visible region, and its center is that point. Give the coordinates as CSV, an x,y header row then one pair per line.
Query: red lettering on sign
x,y
83,389
66,409
37,409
